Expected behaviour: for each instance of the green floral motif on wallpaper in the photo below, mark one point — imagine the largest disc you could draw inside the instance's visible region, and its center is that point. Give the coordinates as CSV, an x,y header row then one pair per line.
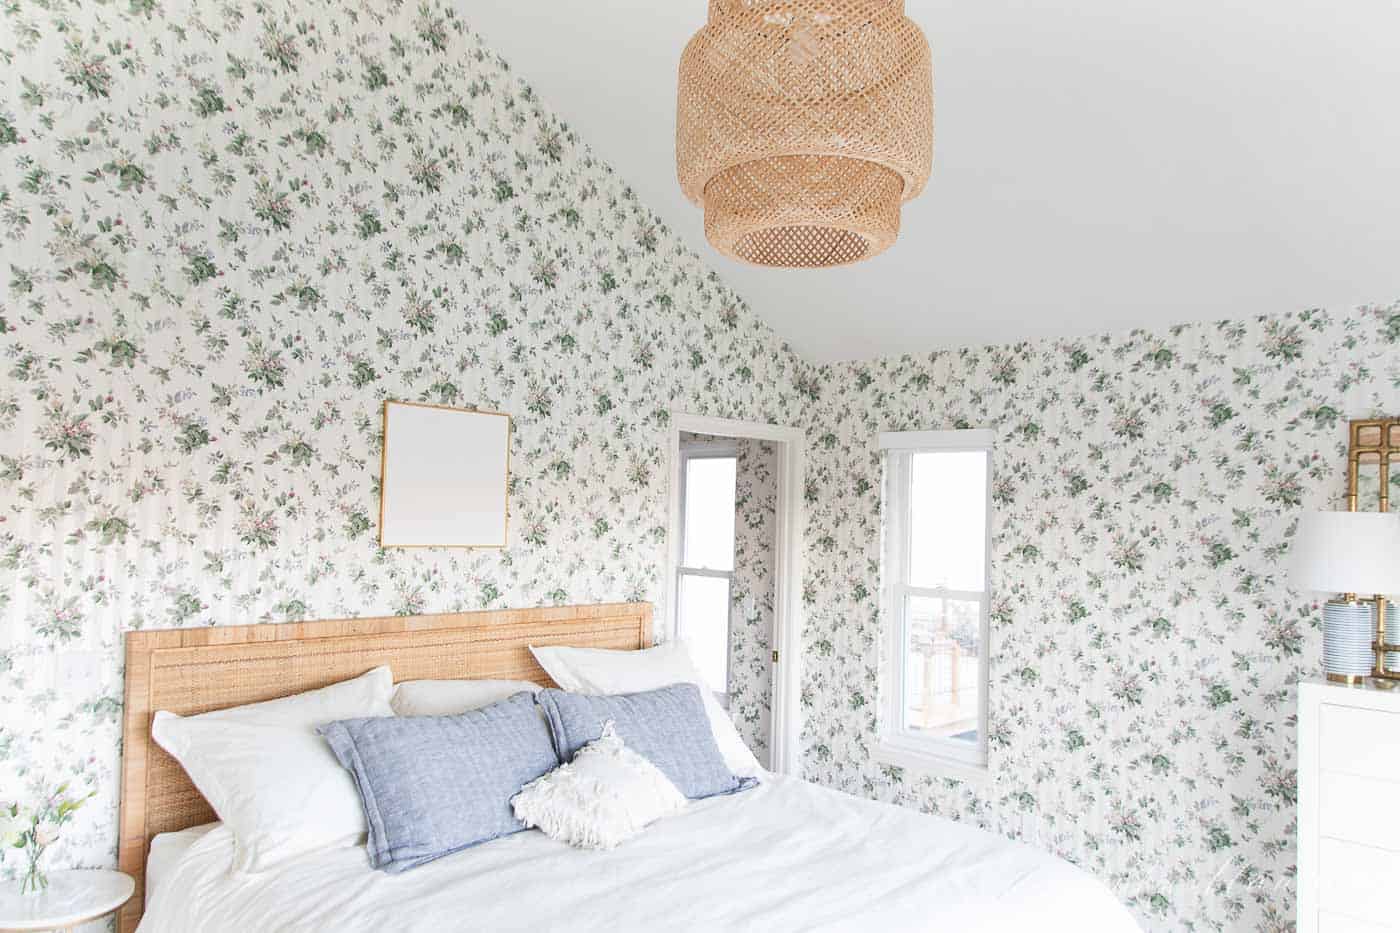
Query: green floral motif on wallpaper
x,y
230,232
1145,644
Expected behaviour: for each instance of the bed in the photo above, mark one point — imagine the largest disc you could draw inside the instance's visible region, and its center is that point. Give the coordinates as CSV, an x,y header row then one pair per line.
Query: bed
x,y
786,855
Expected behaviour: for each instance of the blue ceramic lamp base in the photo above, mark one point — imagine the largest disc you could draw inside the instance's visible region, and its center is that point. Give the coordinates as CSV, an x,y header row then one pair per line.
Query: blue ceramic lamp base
x,y
1348,635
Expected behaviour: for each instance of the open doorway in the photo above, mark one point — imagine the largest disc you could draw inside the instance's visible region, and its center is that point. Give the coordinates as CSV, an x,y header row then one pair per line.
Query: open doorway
x,y
732,580
725,579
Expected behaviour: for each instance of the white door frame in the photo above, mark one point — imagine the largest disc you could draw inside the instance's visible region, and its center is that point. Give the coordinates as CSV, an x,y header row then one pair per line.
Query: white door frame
x,y
787,571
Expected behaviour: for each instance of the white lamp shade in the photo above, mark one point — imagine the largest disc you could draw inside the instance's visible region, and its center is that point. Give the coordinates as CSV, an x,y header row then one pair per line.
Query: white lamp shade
x,y
1347,552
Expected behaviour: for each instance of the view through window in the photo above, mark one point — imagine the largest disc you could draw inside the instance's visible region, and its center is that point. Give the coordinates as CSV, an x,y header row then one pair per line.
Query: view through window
x,y
947,528
937,569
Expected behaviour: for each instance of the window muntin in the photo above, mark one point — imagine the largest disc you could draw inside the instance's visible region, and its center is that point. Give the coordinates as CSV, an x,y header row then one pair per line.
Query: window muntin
x,y
938,509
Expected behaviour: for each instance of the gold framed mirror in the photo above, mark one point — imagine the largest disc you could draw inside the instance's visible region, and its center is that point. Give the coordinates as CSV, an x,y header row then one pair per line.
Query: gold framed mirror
x,y
1371,480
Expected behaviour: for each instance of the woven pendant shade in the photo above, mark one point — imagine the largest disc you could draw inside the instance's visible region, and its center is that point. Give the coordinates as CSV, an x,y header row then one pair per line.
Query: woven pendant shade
x,y
802,125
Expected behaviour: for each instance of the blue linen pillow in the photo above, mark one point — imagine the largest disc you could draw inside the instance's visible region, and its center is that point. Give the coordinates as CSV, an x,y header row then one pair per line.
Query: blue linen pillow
x,y
667,726
431,785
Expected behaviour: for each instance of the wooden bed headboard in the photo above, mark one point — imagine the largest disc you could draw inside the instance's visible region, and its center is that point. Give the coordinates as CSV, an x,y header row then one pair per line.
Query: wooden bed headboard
x,y
189,671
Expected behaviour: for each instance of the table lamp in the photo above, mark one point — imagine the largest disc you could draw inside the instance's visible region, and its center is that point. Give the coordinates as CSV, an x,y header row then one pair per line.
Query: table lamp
x,y
1355,558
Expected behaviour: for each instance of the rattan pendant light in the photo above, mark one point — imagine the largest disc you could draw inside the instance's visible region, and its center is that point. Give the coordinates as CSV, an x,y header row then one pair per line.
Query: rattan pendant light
x,y
802,125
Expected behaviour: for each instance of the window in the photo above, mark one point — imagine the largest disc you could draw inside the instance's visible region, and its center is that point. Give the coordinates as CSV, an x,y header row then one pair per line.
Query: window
x,y
937,562
706,572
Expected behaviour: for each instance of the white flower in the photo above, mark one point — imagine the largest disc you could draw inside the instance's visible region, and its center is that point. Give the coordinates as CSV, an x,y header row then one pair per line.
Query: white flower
x,y
45,835
11,828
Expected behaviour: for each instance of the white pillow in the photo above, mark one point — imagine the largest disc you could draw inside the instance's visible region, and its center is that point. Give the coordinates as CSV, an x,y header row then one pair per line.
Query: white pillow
x,y
605,796
450,697
269,776
602,671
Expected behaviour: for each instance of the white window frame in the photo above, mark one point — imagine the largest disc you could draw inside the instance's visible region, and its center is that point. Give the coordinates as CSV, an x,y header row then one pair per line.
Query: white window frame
x,y
897,745
707,450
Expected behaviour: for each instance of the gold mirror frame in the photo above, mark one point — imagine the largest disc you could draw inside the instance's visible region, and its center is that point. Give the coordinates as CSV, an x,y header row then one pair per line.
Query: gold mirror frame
x,y
1374,441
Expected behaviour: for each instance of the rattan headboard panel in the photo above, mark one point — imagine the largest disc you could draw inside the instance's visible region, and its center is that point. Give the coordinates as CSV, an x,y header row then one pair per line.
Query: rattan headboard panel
x,y
190,671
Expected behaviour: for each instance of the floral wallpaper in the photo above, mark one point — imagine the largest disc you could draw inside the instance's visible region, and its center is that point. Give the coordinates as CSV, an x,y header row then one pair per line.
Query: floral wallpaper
x,y
1145,644
752,589
230,232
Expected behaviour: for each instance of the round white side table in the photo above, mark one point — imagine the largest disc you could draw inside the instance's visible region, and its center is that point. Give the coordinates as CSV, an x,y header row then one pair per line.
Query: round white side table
x,y
73,896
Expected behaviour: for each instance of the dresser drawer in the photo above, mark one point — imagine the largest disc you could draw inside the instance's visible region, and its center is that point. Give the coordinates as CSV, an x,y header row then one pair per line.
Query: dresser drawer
x,y
1356,880
1358,809
1359,741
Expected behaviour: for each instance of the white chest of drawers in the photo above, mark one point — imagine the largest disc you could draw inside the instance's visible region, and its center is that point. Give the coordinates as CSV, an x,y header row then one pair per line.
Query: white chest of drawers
x,y
1348,808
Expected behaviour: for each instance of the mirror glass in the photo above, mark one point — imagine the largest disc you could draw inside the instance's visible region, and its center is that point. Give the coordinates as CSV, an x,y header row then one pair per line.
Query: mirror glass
x,y
1369,435
1368,485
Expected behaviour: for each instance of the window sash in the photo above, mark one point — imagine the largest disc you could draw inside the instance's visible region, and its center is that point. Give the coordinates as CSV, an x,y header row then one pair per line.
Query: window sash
x,y
728,576
957,749
706,450
900,448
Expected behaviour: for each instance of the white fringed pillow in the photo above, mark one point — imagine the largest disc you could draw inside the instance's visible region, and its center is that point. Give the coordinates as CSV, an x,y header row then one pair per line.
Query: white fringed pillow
x,y
602,798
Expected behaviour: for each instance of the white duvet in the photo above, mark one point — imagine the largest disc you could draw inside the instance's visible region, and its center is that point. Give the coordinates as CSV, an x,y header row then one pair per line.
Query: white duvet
x,y
786,855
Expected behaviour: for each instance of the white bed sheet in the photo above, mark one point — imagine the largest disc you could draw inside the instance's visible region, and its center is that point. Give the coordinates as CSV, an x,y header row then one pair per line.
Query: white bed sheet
x,y
786,856
166,851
